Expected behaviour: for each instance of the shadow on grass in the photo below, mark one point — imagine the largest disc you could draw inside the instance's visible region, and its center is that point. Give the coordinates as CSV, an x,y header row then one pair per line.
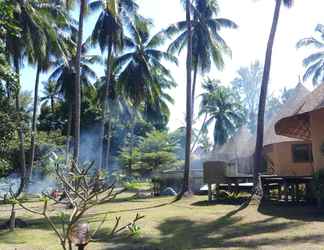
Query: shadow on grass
x,y
228,231
301,212
238,201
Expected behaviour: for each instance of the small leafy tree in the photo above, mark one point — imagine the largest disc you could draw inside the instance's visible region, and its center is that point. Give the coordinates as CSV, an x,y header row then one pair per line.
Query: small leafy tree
x,y
156,152
82,190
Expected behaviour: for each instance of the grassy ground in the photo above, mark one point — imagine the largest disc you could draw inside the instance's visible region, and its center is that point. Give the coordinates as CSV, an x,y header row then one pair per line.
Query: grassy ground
x,y
189,224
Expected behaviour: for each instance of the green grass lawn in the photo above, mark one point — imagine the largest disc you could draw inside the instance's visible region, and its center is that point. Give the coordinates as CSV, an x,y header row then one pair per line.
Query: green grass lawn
x,y
189,224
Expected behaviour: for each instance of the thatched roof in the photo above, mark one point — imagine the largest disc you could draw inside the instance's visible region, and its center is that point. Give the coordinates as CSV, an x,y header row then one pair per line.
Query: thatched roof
x,y
287,109
242,143
297,125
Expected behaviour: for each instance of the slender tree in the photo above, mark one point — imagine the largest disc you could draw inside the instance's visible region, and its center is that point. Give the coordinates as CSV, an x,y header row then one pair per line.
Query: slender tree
x,y
77,89
264,88
186,176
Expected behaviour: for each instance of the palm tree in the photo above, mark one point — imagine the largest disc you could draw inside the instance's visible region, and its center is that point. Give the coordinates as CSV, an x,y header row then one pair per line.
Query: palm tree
x,y
30,44
222,107
314,62
208,47
53,18
77,89
189,108
137,78
108,33
65,73
50,94
264,87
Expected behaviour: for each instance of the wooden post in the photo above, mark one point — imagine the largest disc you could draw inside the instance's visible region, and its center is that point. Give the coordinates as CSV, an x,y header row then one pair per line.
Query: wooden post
x,y
286,190
237,187
210,197
217,190
297,192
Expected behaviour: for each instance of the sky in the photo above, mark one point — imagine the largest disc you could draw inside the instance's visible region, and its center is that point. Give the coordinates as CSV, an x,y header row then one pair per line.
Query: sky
x,y
248,43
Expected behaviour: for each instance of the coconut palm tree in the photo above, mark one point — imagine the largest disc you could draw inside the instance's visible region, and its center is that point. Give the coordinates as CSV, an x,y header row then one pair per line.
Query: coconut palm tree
x,y
315,61
208,47
138,66
222,108
30,44
189,108
65,73
50,94
54,18
264,86
108,34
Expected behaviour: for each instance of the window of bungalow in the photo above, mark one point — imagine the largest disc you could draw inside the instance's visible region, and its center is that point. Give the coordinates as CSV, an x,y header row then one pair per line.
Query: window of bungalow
x,y
302,153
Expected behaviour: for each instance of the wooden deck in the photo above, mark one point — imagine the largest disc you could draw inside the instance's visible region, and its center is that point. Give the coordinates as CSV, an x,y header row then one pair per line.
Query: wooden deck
x,y
286,188
281,188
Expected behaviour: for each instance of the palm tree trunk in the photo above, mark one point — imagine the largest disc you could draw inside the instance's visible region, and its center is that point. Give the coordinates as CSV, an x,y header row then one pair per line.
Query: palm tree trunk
x,y
52,105
194,86
199,133
76,150
131,146
12,220
105,110
108,142
20,136
68,133
33,129
263,95
186,177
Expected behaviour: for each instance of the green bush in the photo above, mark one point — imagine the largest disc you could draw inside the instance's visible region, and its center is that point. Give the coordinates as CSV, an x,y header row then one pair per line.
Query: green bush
x,y
4,167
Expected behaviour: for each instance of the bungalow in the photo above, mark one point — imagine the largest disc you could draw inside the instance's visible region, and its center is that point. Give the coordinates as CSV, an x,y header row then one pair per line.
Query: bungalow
x,y
281,153
306,124
286,156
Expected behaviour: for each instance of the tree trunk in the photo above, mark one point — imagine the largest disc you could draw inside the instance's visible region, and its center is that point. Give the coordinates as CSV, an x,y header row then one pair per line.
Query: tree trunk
x,y
68,133
12,220
52,105
186,177
105,110
33,128
199,133
263,95
76,150
194,87
131,145
20,135
108,141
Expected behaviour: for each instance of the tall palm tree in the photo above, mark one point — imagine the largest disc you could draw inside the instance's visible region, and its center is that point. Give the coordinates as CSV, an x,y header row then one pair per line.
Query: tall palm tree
x,y
77,89
222,108
315,61
264,87
30,44
54,18
65,73
186,175
108,33
138,66
208,47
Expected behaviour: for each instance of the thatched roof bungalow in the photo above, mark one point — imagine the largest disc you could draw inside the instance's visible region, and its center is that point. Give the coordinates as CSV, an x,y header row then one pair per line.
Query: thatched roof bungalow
x,y
307,123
